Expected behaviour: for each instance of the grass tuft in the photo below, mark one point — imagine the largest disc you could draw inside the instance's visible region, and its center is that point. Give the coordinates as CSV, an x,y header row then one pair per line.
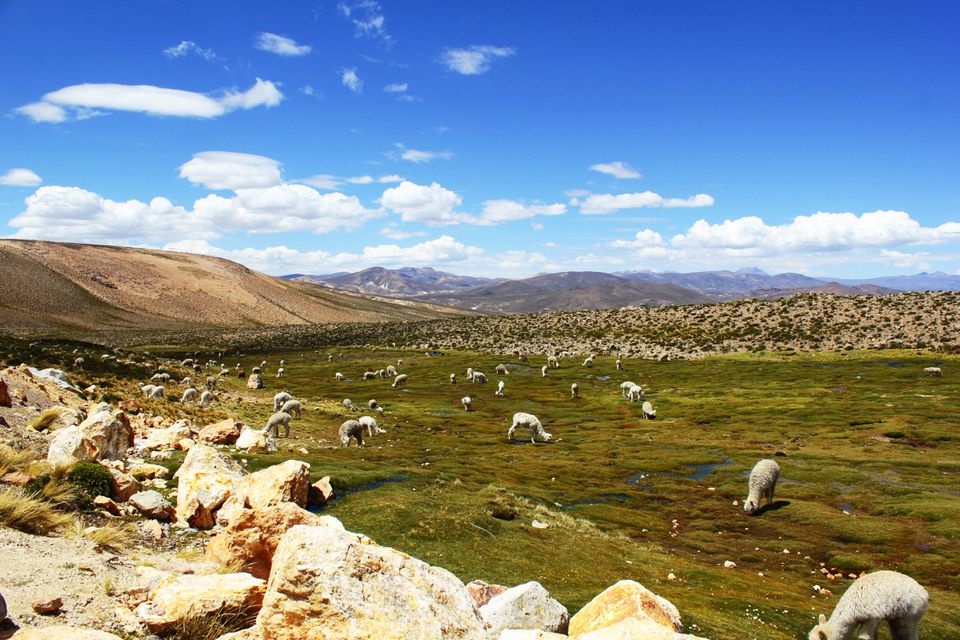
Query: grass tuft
x,y
29,514
45,419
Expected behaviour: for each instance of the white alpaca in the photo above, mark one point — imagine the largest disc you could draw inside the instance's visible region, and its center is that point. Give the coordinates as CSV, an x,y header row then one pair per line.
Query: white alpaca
x,y
574,390
877,596
78,362
338,376
502,370
351,429
369,375
372,427
619,364
553,362
500,386
379,410
543,371
391,370
274,422
649,413
933,371
634,393
280,372
292,407
763,481
531,422
625,388
157,392
189,395
453,378
466,402
205,398
400,380
372,403
480,378
279,399
588,362
400,362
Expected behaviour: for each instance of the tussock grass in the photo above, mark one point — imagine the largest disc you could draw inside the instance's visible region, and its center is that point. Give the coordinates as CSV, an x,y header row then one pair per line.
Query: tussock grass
x,y
45,419
12,460
209,627
109,537
29,514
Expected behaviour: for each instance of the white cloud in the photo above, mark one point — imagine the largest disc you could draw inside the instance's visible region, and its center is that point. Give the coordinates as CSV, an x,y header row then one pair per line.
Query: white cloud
x,y
351,80
644,239
498,211
609,203
389,178
576,193
367,18
396,87
417,203
391,231
417,156
619,170
230,170
188,46
19,177
148,99
474,60
360,180
281,45
307,90
323,181
43,112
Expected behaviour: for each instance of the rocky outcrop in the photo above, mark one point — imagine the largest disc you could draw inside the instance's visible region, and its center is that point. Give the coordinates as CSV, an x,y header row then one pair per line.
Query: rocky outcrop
x,y
251,538
69,446
111,433
223,432
332,584
207,478
288,481
621,601
165,438
527,606
181,597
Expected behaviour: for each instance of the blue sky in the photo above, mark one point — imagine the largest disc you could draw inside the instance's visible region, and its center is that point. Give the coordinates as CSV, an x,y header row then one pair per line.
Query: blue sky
x,y
496,138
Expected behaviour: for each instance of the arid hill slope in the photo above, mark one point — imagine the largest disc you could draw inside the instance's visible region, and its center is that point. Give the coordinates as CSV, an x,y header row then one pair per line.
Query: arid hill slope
x,y
53,286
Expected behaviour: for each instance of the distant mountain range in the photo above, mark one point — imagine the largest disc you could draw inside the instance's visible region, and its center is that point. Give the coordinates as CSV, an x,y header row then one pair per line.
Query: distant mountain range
x,y
596,290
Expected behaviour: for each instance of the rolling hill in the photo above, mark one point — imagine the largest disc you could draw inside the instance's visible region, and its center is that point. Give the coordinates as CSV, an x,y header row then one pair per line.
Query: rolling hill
x,y
405,282
51,286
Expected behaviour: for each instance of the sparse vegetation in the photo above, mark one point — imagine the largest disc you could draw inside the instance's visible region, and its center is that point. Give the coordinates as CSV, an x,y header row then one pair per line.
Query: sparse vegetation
x,y
27,513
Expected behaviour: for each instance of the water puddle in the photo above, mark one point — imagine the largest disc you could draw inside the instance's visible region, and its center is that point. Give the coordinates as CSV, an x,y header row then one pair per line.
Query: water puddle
x,y
893,364
693,472
846,507
603,377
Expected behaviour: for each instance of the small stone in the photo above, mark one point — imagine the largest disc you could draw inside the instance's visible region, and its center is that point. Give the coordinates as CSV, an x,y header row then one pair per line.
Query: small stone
x,y
48,607
729,564
105,503
153,529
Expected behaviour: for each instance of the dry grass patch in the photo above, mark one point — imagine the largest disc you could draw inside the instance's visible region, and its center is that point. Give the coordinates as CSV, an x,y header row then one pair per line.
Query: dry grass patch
x,y
45,419
29,514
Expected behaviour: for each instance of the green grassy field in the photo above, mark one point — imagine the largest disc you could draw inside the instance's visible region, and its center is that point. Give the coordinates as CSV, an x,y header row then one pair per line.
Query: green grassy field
x,y
627,498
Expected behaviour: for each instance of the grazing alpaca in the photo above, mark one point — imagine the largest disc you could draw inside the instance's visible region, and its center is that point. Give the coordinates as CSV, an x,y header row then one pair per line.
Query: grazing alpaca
x,y
877,596
763,481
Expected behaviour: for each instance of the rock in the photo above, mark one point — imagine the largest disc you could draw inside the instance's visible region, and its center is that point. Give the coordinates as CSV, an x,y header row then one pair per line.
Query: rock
x,y
223,432
255,441
147,471
529,634
284,482
526,606
536,524
5,399
332,584
625,599
111,433
63,632
16,478
251,538
108,505
320,492
165,438
636,629
209,476
124,485
255,381
70,446
185,444
482,593
230,509
152,504
729,564
3,608
153,529
180,597
200,515
48,607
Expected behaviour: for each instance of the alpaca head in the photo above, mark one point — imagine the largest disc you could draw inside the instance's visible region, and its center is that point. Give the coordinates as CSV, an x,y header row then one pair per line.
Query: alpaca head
x,y
547,437
750,505
822,631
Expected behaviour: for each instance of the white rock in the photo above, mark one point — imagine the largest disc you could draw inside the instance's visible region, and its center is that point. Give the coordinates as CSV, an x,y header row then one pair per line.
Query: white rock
x,y
526,606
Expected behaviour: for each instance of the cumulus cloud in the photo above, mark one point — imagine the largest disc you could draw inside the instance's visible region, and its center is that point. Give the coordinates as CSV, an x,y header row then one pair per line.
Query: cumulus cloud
x,y
389,178
280,45
418,203
351,80
619,170
187,47
19,177
396,87
231,170
603,203
418,156
474,60
79,99
498,211
643,239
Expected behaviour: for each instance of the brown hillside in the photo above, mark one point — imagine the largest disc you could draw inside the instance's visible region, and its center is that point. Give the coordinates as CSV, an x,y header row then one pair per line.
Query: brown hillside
x,y
50,286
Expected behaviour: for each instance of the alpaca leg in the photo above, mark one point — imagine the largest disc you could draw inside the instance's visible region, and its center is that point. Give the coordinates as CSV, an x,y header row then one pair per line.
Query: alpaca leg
x,y
286,430
905,629
868,630
510,432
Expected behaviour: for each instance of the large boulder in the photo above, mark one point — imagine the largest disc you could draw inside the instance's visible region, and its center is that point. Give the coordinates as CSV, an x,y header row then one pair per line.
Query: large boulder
x,y
63,632
206,477
482,593
634,628
180,597
110,432
255,381
330,584
223,432
623,600
152,504
251,538
320,492
124,485
288,481
71,445
5,399
255,441
165,438
527,606
147,471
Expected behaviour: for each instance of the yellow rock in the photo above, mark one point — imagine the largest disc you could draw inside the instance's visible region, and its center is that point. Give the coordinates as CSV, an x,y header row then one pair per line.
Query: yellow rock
x,y
180,597
625,599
